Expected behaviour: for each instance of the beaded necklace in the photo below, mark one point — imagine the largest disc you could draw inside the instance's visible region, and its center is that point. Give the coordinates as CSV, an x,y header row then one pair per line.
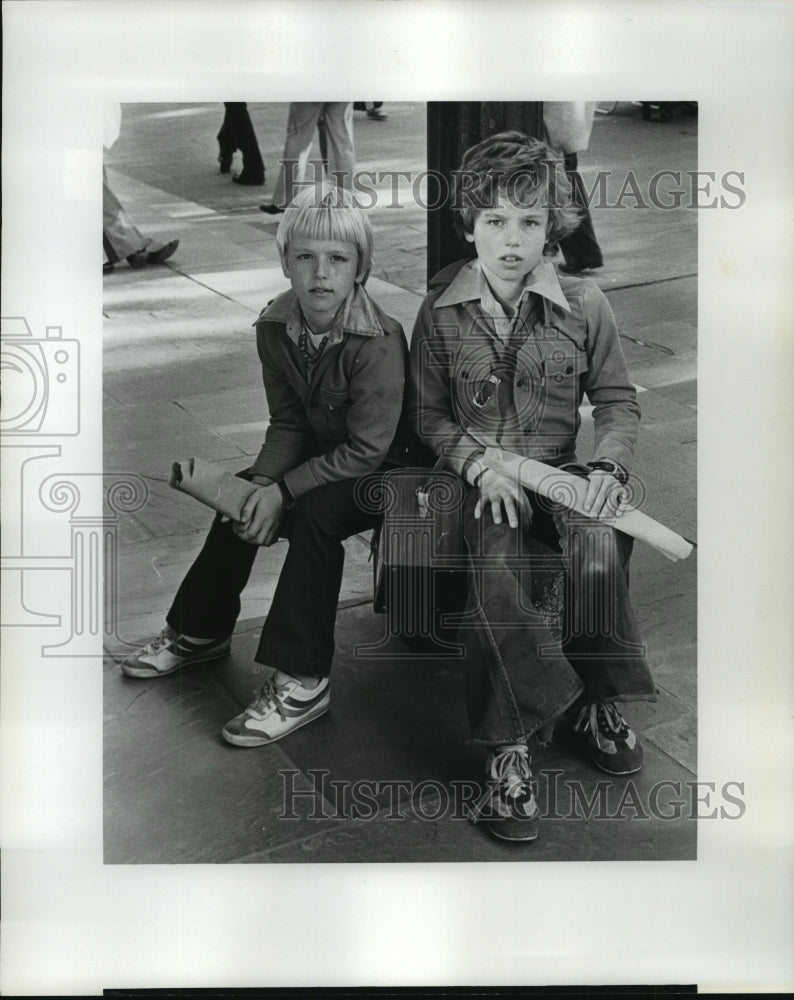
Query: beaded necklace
x,y
310,354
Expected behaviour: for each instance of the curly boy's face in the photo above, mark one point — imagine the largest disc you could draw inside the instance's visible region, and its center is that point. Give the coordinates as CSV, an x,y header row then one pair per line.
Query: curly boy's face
x,y
509,239
322,273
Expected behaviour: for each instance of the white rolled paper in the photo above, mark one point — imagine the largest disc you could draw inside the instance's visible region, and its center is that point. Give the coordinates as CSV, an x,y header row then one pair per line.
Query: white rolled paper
x,y
570,491
213,486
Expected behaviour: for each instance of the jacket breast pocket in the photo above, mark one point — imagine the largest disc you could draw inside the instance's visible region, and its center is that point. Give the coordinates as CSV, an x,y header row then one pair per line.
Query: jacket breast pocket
x,y
334,399
334,404
564,371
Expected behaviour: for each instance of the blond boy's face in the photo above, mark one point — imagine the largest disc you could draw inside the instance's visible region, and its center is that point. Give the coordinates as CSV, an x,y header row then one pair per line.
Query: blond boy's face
x,y
323,273
509,239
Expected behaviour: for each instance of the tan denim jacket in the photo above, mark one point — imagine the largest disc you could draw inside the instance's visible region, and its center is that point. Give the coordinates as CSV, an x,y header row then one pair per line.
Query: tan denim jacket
x,y
463,396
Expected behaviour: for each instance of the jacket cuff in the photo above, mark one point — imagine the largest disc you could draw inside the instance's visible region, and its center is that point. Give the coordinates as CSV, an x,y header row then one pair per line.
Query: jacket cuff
x,y
300,480
621,455
473,467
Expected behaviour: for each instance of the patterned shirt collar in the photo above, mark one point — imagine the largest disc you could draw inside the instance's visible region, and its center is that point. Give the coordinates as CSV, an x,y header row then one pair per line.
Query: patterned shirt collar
x,y
466,286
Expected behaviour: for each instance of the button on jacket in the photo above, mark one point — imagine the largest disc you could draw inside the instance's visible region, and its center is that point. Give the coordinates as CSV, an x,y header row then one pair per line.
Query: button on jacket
x,y
471,387
342,423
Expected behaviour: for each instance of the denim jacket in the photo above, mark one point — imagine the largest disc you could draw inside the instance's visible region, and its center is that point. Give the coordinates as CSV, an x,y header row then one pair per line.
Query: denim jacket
x,y
341,424
469,390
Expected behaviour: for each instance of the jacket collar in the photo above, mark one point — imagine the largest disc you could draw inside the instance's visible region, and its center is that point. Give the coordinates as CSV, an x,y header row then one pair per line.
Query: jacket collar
x,y
466,285
357,315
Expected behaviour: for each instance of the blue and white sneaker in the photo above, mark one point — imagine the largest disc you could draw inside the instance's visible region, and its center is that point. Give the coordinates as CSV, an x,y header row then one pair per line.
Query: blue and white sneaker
x,y
611,743
508,808
278,709
169,651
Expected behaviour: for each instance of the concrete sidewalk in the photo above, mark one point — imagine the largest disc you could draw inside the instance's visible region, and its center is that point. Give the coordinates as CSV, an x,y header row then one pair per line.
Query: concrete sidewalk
x,y
181,378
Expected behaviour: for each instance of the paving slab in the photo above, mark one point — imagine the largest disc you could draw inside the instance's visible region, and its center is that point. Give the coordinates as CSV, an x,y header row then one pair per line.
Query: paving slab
x,y
398,725
174,791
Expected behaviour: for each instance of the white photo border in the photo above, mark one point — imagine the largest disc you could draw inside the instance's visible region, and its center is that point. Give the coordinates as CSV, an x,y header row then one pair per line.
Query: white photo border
x,y
72,925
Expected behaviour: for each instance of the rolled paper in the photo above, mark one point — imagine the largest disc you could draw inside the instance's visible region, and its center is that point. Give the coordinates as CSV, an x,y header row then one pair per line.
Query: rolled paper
x,y
570,491
212,485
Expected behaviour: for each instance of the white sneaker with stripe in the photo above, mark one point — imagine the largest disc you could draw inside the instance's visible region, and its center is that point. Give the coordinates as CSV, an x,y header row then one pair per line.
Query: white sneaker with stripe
x,y
278,709
169,652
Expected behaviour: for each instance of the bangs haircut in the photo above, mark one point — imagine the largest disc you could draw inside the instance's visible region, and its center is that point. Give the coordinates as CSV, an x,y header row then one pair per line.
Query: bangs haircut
x,y
524,172
327,212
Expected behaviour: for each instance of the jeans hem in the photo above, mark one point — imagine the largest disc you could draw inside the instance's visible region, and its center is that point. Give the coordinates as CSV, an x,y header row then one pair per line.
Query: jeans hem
x,y
622,698
487,741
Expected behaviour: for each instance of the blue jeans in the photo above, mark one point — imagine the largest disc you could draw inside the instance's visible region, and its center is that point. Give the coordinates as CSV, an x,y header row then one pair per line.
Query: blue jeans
x,y
520,672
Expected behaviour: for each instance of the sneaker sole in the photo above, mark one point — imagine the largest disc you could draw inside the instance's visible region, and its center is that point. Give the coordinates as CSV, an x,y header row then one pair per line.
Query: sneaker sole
x,y
525,839
145,671
617,774
261,741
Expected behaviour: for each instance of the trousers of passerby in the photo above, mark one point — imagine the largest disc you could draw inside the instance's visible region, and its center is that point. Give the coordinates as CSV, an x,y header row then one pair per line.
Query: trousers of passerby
x,y
301,126
580,249
298,634
519,674
120,237
237,132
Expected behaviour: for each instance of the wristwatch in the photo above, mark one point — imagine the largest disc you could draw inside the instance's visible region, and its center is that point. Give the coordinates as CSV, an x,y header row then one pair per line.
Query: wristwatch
x,y
607,465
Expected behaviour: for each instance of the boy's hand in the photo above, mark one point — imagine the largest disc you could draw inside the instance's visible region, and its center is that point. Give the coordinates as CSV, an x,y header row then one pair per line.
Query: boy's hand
x,y
604,495
261,516
499,491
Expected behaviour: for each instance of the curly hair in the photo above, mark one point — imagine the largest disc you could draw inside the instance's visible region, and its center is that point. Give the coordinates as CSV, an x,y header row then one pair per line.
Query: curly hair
x,y
525,171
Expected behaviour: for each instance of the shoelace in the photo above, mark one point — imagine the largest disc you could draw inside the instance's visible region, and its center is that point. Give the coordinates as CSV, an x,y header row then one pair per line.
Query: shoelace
x,y
590,716
268,696
509,768
166,638
615,722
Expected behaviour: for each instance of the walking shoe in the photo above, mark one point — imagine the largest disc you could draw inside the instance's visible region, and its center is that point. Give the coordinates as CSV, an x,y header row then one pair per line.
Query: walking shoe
x,y
244,178
277,710
611,743
577,267
508,807
146,256
170,651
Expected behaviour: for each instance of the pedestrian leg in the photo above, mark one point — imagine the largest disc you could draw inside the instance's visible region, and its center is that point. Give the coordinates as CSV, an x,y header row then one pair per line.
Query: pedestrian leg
x,y
580,250
341,151
301,124
120,237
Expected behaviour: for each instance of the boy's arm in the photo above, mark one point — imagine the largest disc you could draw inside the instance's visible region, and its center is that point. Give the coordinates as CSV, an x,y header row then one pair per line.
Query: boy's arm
x,y
608,386
287,435
376,398
430,401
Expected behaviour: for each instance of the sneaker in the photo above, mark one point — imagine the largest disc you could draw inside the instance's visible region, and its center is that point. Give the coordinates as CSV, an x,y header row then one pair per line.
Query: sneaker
x,y
277,710
612,744
170,651
508,807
